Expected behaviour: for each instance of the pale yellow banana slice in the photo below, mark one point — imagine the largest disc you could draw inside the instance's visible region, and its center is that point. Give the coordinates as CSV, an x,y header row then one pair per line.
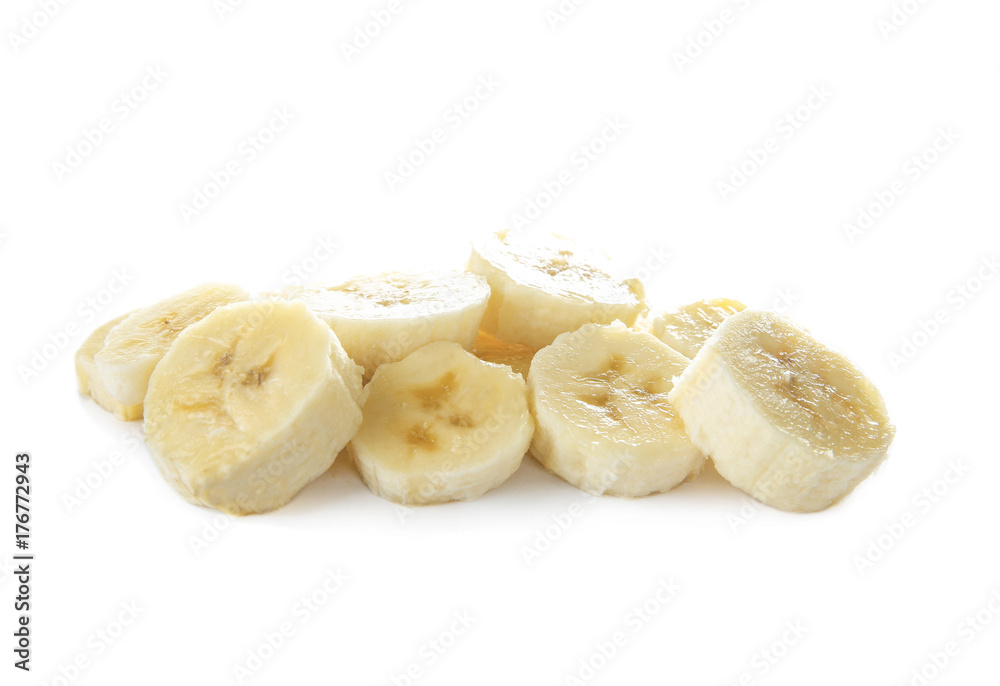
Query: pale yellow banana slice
x,y
89,379
384,318
441,425
687,328
133,347
251,404
514,355
540,290
603,421
784,418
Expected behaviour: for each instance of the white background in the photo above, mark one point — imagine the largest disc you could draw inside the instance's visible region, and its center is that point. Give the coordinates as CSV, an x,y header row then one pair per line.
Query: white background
x,y
742,571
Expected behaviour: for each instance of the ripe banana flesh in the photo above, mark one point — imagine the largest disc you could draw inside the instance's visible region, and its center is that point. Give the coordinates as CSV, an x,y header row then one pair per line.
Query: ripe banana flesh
x,y
441,425
603,421
784,418
541,290
250,404
384,318
133,347
514,355
89,378
687,328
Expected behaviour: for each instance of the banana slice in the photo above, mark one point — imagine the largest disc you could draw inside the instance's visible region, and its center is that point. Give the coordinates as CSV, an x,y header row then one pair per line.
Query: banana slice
x,y
132,349
603,421
384,318
89,379
784,418
542,290
441,425
687,328
251,404
514,355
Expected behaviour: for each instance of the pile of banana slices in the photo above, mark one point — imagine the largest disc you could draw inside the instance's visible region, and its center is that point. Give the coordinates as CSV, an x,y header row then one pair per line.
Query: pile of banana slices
x,y
438,384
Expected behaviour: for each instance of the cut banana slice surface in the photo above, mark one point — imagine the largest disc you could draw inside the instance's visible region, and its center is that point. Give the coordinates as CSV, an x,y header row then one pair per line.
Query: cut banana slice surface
x,y
384,318
687,328
441,425
603,420
132,348
251,404
88,378
540,290
514,355
785,419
